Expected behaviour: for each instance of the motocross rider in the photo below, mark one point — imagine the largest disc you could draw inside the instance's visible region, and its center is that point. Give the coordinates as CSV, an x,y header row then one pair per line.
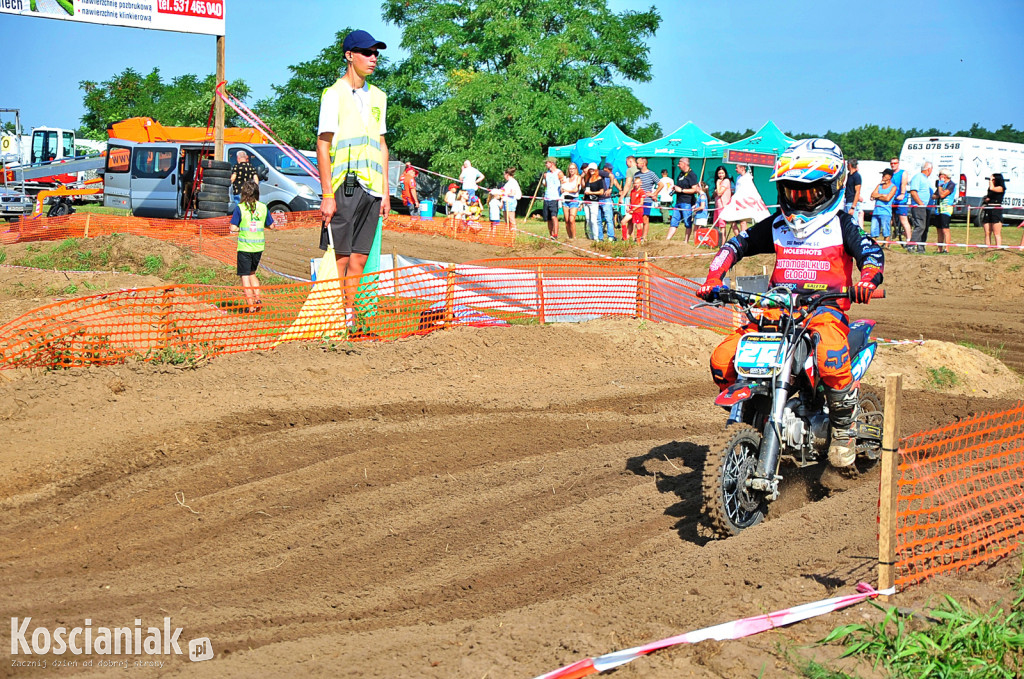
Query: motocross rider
x,y
815,244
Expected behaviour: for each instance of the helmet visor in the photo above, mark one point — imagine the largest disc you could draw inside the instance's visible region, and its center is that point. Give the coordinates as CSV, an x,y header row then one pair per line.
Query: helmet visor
x,y
804,197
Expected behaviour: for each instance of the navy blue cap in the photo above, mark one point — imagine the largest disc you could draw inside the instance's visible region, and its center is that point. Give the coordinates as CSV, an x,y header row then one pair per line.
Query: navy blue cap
x,y
360,39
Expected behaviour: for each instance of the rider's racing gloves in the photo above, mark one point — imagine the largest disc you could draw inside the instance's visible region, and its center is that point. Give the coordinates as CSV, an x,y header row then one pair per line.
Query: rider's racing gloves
x,y
709,290
720,266
869,278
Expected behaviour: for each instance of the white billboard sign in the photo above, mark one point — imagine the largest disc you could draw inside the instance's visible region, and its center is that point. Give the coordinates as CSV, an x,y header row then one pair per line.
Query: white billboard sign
x,y
185,16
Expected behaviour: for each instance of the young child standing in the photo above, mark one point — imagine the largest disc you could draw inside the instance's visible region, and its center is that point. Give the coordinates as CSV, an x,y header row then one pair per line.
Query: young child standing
x,y
248,221
633,222
494,201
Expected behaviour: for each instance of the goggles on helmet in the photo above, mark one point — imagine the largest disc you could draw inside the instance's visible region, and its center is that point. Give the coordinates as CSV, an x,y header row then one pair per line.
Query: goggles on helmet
x,y
805,197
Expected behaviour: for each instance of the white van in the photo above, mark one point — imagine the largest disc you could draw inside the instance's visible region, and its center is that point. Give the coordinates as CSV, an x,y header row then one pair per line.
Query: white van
x,y
972,162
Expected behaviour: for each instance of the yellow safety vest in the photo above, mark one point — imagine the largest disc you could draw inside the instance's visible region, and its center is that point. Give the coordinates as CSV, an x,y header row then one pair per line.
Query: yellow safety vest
x,y
251,236
356,146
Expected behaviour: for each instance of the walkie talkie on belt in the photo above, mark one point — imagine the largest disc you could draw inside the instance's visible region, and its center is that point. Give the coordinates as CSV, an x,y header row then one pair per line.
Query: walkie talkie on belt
x,y
349,185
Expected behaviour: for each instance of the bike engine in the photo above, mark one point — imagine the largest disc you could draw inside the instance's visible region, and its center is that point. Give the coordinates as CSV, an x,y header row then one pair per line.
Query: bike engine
x,y
802,430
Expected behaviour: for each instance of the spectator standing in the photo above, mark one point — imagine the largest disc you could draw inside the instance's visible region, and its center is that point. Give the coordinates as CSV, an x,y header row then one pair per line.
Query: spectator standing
x,y
853,186
470,178
648,181
883,195
552,179
494,199
920,198
513,194
409,195
723,194
700,207
900,207
242,172
665,194
593,193
627,186
944,196
449,197
352,158
249,220
992,215
606,214
685,191
571,187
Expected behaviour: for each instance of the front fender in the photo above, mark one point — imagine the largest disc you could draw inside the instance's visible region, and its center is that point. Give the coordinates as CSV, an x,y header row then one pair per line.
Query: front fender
x,y
741,391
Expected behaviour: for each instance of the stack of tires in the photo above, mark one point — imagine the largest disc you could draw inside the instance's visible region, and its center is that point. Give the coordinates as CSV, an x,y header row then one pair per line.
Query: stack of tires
x,y
214,199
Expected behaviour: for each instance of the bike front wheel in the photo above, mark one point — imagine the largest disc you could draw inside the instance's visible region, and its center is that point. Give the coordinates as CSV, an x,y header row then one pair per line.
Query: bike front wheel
x,y
729,505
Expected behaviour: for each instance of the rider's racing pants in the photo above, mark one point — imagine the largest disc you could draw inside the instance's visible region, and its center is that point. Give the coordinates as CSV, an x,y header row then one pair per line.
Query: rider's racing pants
x,y
830,328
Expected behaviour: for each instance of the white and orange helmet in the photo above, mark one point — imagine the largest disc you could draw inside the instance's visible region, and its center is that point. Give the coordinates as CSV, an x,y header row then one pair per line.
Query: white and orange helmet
x,y
811,176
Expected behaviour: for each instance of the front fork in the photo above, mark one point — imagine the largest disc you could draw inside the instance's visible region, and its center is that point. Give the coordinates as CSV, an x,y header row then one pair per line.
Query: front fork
x,y
765,477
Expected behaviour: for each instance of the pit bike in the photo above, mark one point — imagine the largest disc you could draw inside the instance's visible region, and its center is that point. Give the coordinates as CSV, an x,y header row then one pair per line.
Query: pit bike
x,y
778,410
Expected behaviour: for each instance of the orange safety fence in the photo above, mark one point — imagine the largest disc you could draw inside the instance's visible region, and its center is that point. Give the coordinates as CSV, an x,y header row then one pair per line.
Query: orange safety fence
x,y
211,236
960,499
184,322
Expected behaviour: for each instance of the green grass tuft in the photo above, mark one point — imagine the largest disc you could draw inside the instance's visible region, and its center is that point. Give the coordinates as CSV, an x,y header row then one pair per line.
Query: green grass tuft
x,y
942,378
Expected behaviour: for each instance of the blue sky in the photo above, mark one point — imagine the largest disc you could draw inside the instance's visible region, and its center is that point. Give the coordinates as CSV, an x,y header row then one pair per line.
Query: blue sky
x,y
810,66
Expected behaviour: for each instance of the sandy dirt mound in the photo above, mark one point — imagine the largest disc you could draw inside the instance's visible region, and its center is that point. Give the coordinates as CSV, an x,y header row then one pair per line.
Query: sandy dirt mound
x,y
474,502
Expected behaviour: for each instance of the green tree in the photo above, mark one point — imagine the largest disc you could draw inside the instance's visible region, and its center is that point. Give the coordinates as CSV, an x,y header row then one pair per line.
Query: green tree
x,y
185,101
294,109
498,81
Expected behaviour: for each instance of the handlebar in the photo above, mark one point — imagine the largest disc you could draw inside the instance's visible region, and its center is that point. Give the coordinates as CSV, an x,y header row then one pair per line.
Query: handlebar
x,y
811,300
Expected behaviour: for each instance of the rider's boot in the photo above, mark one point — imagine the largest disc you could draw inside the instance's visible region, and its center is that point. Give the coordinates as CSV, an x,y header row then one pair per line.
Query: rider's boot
x,y
842,406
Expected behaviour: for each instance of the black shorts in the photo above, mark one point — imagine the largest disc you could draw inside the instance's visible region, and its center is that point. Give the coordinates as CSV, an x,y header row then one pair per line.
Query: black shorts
x,y
550,210
248,262
939,220
992,215
354,224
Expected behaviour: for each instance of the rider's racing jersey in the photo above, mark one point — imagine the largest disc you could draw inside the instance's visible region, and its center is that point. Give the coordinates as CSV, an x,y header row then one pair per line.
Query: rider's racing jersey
x,y
821,261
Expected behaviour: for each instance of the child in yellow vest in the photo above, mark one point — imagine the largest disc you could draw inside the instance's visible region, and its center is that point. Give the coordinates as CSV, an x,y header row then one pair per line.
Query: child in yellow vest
x,y
248,221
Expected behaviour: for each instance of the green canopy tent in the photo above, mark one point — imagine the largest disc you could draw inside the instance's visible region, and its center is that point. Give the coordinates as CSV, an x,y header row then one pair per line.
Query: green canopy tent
x,y
760,150
603,143
689,141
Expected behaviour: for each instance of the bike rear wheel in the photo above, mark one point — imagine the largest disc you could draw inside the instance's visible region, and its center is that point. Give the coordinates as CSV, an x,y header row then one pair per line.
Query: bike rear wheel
x,y
731,507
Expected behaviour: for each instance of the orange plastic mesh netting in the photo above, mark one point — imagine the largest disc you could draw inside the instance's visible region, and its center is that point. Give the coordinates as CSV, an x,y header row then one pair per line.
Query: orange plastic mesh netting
x,y
960,496
183,322
192,234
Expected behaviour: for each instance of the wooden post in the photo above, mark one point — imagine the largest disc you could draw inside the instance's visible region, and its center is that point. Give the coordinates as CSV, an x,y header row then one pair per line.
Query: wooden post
x,y
968,236
643,287
449,296
394,272
88,218
218,107
888,488
540,297
533,199
165,316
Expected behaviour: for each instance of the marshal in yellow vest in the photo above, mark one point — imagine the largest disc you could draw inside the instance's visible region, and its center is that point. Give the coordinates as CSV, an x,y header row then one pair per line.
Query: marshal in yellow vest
x,y
356,146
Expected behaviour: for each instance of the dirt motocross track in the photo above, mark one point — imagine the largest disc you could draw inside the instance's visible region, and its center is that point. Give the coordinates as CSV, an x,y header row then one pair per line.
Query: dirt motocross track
x,y
473,503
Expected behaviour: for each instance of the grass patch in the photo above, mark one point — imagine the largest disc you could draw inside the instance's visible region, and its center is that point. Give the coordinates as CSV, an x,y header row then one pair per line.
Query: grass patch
x,y
942,378
98,209
994,257
188,357
994,352
3,255
152,264
954,641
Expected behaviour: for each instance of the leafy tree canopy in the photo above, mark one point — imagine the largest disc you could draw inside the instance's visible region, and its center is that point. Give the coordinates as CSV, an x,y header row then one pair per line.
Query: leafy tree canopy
x,y
294,109
498,81
184,101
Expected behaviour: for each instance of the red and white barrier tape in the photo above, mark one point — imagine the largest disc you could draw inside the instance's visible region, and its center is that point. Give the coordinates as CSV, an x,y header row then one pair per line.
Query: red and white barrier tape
x,y
736,629
907,243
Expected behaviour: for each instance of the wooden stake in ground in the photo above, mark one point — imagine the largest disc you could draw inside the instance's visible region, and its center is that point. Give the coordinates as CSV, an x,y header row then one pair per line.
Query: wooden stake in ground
x,y
888,488
533,198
